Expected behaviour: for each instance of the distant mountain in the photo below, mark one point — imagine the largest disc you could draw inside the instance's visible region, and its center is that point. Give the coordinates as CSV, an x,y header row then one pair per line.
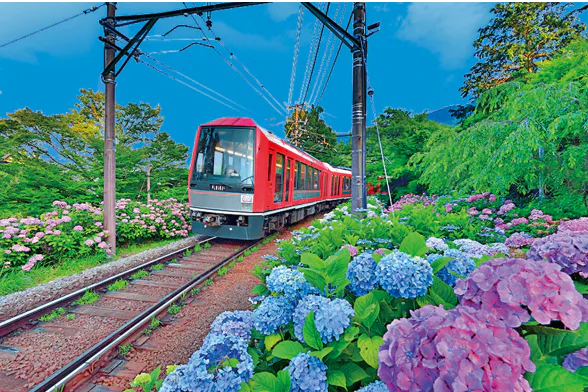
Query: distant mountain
x,y
443,115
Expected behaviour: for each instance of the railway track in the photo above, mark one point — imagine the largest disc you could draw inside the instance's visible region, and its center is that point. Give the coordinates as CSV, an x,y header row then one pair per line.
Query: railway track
x,y
102,327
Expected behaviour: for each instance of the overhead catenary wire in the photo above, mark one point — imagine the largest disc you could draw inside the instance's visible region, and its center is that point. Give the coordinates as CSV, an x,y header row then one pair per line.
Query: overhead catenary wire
x,y
318,47
310,53
334,62
296,51
85,12
233,66
324,65
185,84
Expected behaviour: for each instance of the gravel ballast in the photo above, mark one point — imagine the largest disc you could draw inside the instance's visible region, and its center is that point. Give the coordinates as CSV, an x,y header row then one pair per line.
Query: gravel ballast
x,y
22,301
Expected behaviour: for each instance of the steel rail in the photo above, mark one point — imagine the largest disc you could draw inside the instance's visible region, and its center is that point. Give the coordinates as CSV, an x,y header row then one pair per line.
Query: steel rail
x,y
96,353
16,322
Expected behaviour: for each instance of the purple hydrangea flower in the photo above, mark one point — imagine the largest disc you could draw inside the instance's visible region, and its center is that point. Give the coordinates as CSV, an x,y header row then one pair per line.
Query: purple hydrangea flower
x,y
461,265
331,317
574,225
437,244
352,249
362,274
307,374
511,288
403,276
453,350
518,240
576,360
569,249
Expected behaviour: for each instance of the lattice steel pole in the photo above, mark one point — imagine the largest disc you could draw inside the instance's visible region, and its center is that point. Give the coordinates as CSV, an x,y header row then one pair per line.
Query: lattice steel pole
x,y
358,112
109,136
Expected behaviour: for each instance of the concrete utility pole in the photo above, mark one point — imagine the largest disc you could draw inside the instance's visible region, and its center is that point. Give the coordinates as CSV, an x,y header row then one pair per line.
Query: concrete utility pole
x,y
358,111
109,137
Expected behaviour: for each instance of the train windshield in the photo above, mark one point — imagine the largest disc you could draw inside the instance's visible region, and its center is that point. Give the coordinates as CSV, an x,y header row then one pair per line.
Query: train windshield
x,y
225,158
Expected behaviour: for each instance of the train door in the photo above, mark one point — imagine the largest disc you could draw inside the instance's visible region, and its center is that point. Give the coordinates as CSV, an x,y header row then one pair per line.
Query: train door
x,y
288,178
269,194
279,178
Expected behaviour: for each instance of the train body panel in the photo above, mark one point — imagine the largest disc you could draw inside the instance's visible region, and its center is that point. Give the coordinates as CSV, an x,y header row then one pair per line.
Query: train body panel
x,y
244,181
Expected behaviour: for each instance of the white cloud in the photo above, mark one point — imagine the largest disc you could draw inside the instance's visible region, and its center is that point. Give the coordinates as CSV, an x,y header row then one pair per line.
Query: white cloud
x,y
279,12
448,29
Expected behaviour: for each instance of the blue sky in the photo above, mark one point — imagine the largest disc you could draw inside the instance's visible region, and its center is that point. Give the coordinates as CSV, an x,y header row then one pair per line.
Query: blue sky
x,y
417,60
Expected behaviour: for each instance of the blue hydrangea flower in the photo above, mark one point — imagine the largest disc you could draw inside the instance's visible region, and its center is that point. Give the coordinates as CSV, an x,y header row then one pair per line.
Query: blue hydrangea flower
x,y
307,374
270,257
331,317
238,323
362,274
404,276
291,283
376,386
273,313
461,265
364,242
206,371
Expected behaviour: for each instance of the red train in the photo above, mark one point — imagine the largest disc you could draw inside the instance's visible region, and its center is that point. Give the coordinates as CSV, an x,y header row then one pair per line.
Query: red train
x,y
245,181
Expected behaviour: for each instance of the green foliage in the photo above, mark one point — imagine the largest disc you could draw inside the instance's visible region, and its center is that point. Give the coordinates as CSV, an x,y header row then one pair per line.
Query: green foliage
x,y
519,36
140,274
148,381
526,135
60,157
174,309
123,350
194,291
208,282
327,275
118,285
157,267
88,298
222,271
55,313
312,134
70,317
155,323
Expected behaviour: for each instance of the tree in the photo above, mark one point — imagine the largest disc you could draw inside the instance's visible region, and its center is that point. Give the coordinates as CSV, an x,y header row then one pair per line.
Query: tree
x,y
519,37
312,135
403,135
525,135
62,156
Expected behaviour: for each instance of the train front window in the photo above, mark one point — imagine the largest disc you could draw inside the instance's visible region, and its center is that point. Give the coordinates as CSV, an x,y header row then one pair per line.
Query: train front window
x,y
225,157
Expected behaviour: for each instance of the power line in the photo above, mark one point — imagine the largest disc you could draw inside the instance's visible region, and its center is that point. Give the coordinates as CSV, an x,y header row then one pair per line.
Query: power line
x,y
234,56
89,10
232,65
296,50
310,52
334,61
324,65
185,84
316,55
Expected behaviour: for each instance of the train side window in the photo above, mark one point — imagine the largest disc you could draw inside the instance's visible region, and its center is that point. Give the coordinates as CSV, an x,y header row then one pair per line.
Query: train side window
x,y
279,192
269,168
302,183
296,174
308,177
287,179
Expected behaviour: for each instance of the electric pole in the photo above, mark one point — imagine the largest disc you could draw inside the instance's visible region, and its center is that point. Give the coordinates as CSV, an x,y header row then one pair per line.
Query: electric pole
x,y
109,136
358,111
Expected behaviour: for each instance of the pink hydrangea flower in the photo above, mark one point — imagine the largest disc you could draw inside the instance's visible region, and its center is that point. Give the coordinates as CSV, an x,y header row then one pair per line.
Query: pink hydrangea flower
x,y
509,289
568,249
78,228
518,240
519,221
457,350
352,249
574,225
89,242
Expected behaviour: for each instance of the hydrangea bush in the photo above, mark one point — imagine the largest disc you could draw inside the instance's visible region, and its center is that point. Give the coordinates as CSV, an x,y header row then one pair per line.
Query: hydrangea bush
x,y
76,230
369,304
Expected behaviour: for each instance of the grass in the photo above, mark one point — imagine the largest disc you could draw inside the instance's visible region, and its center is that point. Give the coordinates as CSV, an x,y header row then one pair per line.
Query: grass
x,y
55,313
157,267
71,316
207,245
208,282
174,309
140,274
118,285
155,323
194,291
88,298
231,264
124,350
222,271
18,280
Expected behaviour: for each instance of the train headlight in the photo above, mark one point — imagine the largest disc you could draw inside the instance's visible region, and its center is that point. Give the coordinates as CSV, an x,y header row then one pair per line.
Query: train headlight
x,y
247,199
